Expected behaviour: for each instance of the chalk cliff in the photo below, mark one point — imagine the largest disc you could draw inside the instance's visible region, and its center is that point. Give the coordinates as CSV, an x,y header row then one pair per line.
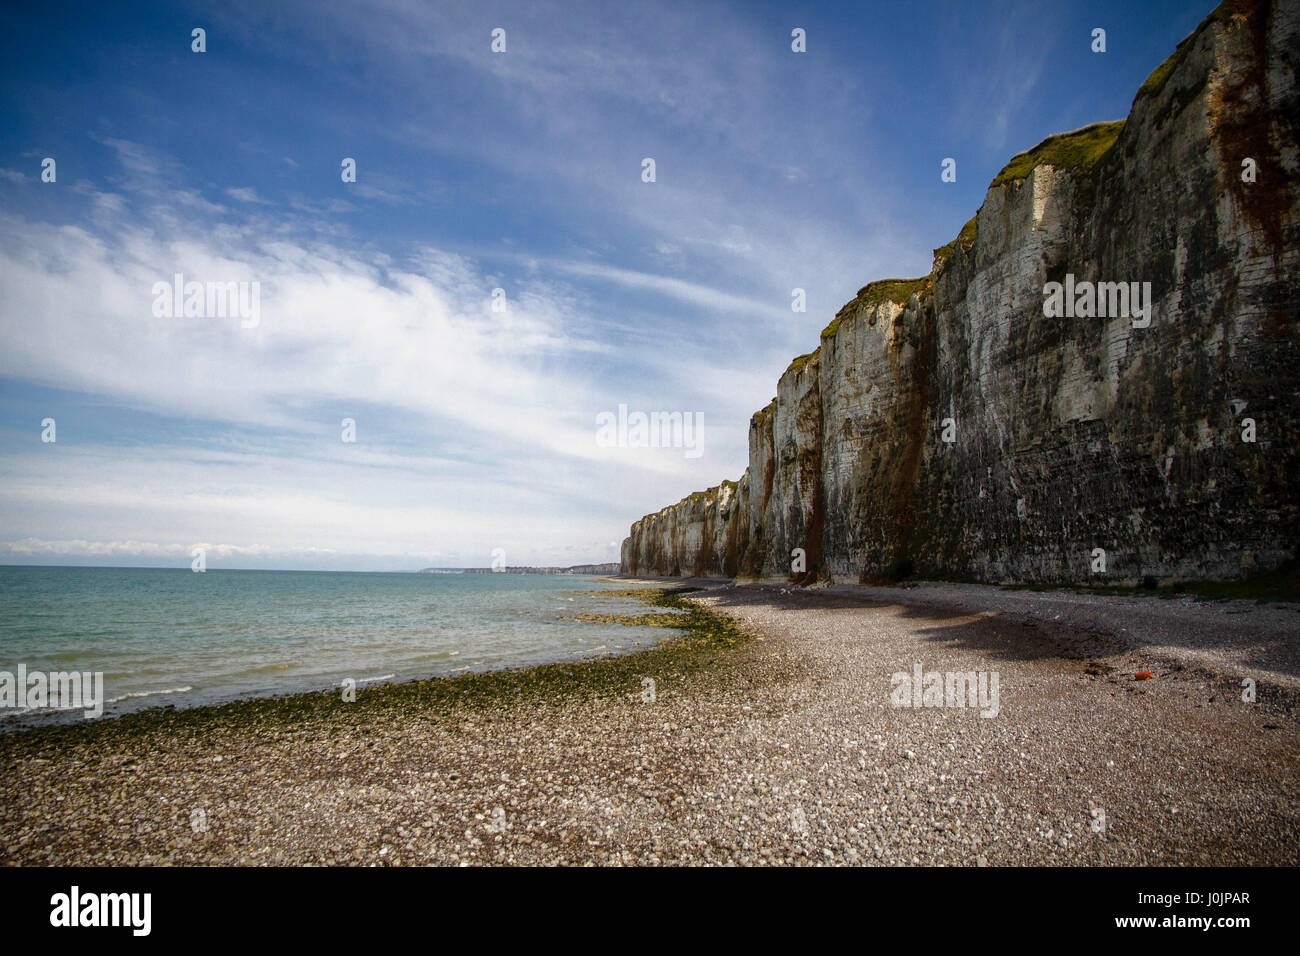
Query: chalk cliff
x,y
946,426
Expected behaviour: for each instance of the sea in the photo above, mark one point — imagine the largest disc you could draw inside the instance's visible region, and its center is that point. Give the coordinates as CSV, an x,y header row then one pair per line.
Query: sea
x,y
174,637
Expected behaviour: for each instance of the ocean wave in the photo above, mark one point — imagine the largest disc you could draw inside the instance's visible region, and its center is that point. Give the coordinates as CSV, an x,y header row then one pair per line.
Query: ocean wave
x,y
432,656
147,693
49,709
264,668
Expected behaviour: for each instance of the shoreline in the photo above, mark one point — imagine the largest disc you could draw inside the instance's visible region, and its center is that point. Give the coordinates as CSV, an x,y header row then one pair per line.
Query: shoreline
x,y
27,721
935,594
704,632
768,737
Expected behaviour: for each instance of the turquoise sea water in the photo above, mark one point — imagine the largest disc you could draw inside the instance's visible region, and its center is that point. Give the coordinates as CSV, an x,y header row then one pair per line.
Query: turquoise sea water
x,y
171,636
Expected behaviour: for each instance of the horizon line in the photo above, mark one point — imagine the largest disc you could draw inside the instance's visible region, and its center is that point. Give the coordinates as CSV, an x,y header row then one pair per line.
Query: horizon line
x,y
431,567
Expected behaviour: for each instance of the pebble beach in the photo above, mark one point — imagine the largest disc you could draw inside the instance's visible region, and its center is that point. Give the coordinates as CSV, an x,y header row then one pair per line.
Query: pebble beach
x,y
765,734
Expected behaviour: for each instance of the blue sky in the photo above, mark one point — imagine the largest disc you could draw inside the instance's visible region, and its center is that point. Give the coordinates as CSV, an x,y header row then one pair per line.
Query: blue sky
x,y
476,170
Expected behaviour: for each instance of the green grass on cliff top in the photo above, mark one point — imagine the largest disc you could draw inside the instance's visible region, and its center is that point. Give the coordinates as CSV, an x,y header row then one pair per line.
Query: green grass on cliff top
x,y
799,362
1156,81
697,496
966,237
1077,151
874,293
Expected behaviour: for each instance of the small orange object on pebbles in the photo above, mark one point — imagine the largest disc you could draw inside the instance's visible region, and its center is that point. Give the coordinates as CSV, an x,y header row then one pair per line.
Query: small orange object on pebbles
x,y
1142,675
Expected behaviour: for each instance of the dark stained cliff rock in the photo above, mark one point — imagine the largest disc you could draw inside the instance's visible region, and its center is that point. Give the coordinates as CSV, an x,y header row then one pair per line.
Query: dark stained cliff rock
x,y
947,426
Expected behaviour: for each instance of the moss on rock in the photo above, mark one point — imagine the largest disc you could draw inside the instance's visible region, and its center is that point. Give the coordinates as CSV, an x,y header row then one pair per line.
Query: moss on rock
x,y
1156,81
873,293
705,636
799,362
966,237
1078,151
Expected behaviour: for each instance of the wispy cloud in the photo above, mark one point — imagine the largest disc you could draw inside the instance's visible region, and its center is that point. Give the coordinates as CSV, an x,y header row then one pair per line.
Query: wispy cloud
x,y
518,172
246,194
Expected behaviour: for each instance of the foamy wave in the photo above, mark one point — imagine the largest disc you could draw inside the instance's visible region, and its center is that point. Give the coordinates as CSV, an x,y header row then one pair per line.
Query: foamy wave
x,y
371,680
147,693
49,709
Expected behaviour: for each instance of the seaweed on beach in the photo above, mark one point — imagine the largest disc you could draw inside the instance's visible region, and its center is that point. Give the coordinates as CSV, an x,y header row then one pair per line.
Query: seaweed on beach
x,y
706,635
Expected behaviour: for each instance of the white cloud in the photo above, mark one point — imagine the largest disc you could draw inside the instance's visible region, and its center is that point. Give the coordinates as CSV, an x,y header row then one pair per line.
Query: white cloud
x,y
246,194
508,400
691,292
37,547
411,348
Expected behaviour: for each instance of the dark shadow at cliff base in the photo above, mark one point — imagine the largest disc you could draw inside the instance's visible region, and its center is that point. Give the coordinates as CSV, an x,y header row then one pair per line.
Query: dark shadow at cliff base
x,y
1065,625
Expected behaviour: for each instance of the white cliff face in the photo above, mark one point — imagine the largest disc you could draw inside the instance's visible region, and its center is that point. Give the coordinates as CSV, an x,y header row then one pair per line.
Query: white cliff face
x,y
1065,434
874,366
859,411
703,535
789,515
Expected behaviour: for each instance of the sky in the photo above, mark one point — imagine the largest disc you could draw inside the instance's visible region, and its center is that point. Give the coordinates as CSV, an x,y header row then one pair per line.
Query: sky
x,y
474,412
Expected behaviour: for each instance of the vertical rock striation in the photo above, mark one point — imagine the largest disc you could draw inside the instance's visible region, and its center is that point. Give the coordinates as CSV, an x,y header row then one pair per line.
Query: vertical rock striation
x,y
1068,434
